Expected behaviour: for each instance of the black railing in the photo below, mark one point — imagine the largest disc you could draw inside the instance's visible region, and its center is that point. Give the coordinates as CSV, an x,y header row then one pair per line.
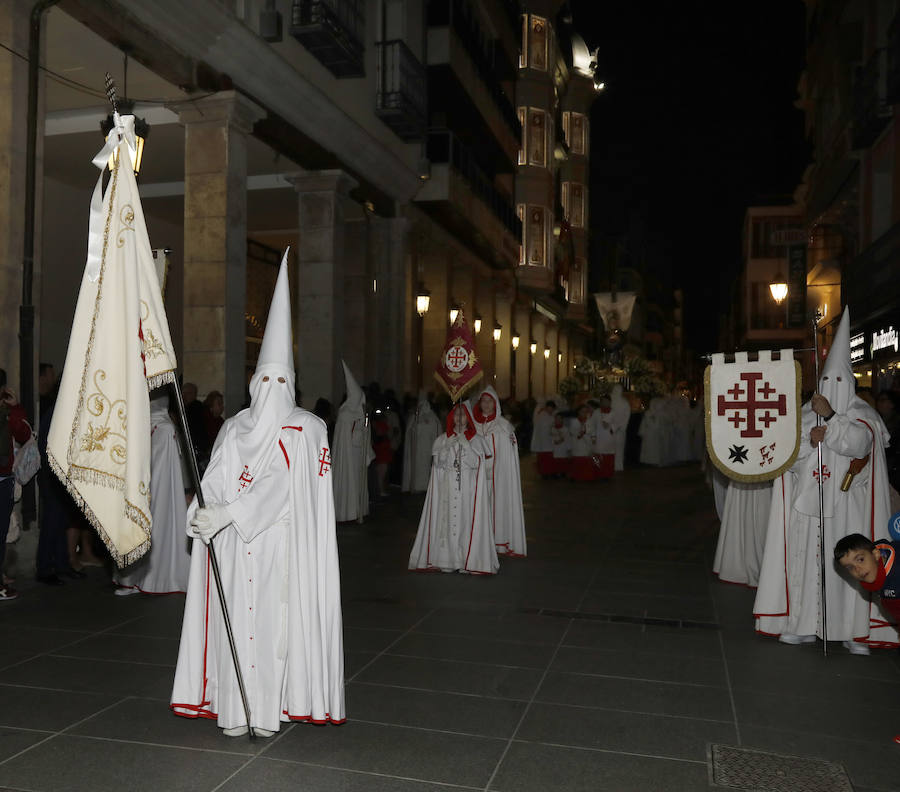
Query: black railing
x,y
333,31
400,100
482,51
443,147
870,112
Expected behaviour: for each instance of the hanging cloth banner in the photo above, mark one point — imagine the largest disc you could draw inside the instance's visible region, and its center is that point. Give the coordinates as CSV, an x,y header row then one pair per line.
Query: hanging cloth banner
x,y
119,348
616,313
753,414
459,367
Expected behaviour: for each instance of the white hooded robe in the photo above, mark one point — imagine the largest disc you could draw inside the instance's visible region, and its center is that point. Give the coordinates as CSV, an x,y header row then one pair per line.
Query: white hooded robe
x,y
455,529
422,429
165,568
352,454
504,477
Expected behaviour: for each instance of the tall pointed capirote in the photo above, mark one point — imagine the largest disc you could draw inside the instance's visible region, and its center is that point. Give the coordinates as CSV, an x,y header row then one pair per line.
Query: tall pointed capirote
x,y
278,344
836,382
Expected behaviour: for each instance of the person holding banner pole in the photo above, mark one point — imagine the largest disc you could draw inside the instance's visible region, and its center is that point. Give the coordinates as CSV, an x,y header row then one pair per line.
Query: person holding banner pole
x,y
843,485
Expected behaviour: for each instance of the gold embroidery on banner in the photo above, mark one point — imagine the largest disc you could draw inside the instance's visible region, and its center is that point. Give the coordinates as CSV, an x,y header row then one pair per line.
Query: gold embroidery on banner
x,y
90,345
126,218
113,423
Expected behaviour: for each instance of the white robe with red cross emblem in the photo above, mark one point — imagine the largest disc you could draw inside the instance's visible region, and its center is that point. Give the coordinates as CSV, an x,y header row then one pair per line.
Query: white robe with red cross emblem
x,y
455,530
789,592
504,481
279,567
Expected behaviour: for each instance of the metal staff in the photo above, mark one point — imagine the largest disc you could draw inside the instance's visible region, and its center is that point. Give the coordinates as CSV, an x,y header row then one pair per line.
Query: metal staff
x,y
364,463
817,317
195,476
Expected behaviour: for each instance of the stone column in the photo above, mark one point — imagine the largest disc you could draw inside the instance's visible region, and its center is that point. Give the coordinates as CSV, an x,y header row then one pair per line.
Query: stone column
x,y
393,306
14,28
320,283
215,242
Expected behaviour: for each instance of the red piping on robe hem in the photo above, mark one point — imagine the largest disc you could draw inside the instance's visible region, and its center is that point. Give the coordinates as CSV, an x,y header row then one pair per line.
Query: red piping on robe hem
x,y
309,719
283,451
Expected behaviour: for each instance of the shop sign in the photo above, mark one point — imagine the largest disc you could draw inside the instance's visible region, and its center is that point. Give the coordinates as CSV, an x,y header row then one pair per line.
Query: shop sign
x,y
885,339
857,348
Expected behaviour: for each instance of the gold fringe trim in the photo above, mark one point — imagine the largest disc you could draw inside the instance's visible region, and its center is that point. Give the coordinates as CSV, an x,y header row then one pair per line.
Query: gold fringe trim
x,y
158,380
132,512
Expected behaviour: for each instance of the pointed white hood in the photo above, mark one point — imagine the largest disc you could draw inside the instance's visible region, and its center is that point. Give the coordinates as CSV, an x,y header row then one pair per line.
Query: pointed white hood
x,y
356,397
272,386
836,382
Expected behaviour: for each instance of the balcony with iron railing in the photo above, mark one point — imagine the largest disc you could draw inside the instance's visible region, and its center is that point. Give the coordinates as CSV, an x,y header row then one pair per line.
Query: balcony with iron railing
x,y
456,15
870,109
444,147
400,99
463,198
333,31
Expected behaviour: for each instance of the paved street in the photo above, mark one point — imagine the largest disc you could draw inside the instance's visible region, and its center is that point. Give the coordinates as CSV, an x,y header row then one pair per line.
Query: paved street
x,y
609,659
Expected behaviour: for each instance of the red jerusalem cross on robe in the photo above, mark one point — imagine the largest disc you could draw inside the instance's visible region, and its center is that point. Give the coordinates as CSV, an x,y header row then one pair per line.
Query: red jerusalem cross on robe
x,y
752,404
324,462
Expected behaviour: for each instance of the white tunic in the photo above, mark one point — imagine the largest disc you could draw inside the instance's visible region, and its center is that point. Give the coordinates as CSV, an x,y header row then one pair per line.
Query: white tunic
x,y
540,433
654,445
165,568
742,534
352,454
455,529
279,569
788,596
619,415
504,480
422,430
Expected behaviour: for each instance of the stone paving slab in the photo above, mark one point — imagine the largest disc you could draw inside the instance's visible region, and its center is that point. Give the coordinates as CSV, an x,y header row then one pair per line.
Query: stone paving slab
x,y
610,659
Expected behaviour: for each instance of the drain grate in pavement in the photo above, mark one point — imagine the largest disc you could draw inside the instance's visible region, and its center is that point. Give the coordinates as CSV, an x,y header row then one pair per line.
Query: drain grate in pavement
x,y
650,621
738,768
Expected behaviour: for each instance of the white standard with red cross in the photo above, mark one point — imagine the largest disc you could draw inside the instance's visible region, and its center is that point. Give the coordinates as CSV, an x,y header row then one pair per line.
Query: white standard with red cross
x,y
752,414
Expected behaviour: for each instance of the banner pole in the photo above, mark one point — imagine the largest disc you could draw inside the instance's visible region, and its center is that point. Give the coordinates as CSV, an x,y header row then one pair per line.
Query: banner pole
x,y
817,317
195,476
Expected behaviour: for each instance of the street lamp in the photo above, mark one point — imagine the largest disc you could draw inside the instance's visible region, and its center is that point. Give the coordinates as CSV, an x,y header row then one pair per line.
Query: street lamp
x,y
559,357
515,340
546,353
423,300
778,288
533,346
477,324
498,332
454,312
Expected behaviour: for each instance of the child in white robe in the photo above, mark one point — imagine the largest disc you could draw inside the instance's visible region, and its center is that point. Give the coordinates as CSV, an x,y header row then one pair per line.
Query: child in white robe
x,y
455,530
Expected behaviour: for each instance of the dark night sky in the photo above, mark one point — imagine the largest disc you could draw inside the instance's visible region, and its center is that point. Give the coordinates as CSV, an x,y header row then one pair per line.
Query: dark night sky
x,y
696,123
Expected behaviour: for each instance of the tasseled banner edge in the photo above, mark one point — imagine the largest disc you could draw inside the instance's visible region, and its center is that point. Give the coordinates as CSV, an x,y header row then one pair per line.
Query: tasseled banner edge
x,y
158,380
132,512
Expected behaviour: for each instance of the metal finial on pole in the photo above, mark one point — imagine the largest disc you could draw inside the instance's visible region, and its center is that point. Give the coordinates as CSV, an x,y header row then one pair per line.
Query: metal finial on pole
x,y
817,317
111,92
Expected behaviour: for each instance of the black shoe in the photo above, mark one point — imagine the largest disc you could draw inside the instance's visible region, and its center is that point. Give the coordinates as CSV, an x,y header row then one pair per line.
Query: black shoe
x,y
51,580
75,573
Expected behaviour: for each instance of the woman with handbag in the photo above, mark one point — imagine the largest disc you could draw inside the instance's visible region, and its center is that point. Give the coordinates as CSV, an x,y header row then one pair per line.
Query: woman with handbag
x,y
13,427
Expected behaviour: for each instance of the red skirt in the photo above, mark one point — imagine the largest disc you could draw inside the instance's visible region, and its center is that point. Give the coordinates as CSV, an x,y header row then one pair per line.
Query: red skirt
x,y
545,465
590,468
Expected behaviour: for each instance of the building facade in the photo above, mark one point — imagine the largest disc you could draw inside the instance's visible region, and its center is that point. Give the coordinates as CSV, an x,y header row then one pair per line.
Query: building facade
x,y
391,143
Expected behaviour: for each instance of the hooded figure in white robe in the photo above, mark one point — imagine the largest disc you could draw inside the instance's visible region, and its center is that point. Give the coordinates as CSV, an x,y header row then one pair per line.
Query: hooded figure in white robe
x,y
455,529
165,568
352,454
654,442
788,597
504,478
742,533
619,415
269,505
541,440
422,429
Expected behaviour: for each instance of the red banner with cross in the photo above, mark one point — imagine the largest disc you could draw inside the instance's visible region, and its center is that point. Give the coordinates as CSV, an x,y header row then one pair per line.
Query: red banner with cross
x,y
753,414
459,367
